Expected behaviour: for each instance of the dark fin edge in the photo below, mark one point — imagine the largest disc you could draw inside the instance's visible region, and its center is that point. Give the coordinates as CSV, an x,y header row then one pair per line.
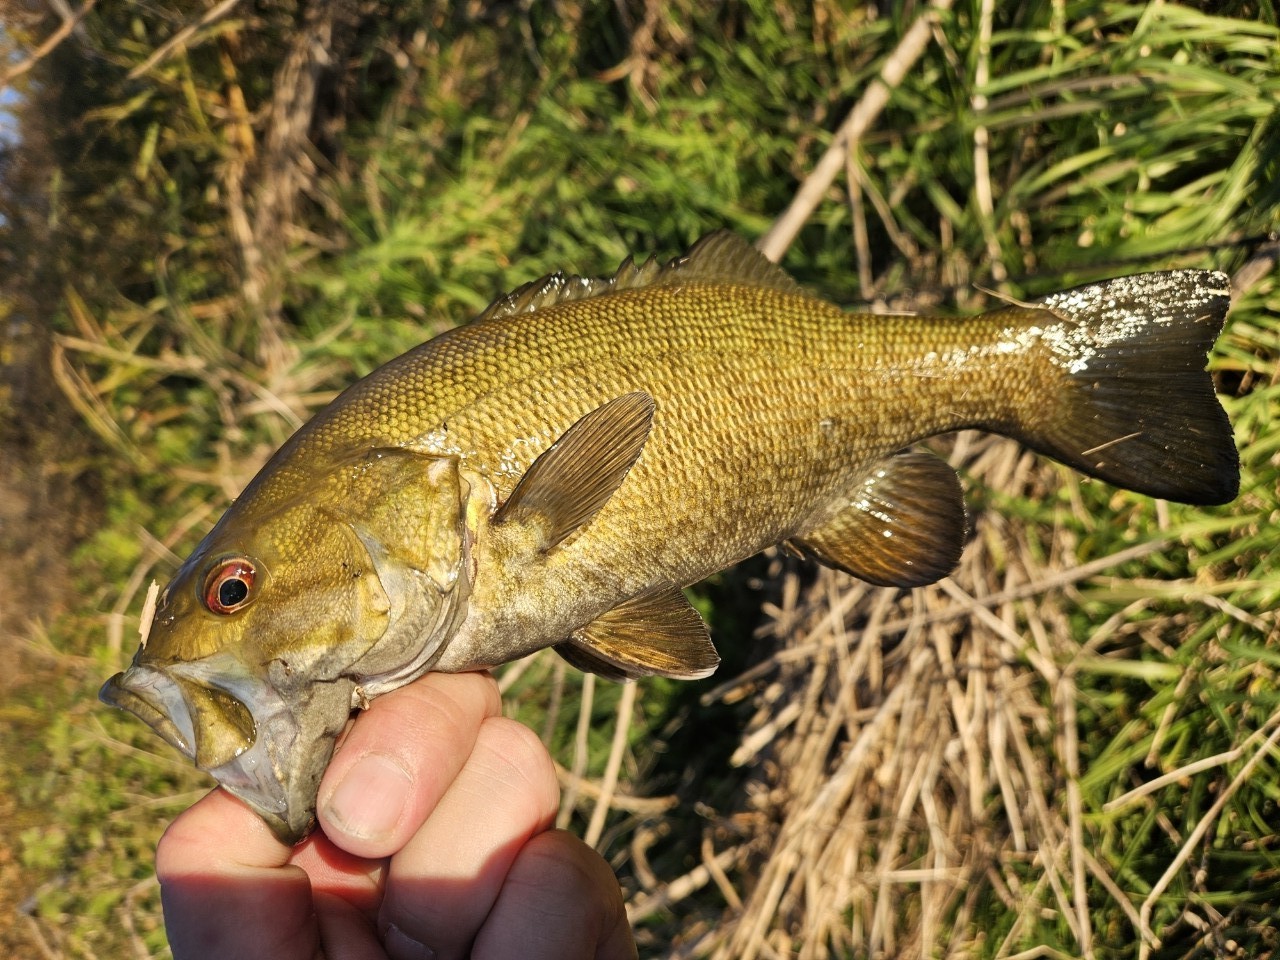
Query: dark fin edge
x,y
1139,409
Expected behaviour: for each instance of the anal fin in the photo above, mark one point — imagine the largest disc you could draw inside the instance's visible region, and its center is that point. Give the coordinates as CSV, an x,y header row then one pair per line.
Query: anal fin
x,y
903,527
656,634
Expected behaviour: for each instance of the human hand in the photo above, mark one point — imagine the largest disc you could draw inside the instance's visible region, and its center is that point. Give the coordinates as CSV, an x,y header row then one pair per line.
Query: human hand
x,y
435,841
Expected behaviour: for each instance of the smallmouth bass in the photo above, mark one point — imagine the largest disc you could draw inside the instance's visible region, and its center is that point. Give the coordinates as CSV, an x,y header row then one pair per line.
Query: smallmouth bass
x,y
553,473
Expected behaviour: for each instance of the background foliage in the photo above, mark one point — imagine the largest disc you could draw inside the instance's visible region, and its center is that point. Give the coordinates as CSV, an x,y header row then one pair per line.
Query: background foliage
x,y
215,216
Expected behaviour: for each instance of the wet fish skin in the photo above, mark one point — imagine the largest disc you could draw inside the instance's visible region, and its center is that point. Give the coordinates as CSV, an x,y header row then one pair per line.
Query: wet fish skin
x,y
553,473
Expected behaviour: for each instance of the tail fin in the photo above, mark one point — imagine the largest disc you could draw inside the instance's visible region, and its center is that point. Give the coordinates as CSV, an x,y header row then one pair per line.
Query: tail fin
x,y
1139,409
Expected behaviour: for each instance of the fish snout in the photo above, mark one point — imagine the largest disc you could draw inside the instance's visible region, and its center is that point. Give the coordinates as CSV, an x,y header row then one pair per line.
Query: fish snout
x,y
208,724
154,698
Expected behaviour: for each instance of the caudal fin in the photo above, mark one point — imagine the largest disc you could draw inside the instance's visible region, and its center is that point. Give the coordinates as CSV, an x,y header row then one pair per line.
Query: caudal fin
x,y
1138,408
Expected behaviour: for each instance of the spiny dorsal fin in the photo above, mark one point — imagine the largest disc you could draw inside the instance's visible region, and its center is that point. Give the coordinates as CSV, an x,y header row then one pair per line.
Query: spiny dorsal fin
x,y
657,634
574,477
725,257
720,257
904,527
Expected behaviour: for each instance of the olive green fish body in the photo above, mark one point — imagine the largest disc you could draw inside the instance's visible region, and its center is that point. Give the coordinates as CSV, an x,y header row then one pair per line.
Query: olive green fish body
x,y
554,472
761,426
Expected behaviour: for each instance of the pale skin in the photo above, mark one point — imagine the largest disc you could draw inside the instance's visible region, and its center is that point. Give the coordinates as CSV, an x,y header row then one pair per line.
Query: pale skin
x,y
441,845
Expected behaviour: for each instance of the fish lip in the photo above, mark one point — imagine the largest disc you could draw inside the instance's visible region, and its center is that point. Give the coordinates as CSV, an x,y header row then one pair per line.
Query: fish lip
x,y
155,699
261,775
252,778
277,776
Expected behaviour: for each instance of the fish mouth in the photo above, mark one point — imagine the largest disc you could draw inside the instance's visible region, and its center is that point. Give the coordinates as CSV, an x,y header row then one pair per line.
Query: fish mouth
x,y
171,706
239,729
155,699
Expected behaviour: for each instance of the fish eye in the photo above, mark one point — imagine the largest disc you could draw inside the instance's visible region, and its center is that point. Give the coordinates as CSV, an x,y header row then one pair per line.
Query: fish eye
x,y
229,585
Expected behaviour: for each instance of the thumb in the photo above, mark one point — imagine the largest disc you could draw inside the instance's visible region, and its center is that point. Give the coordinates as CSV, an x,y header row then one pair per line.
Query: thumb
x,y
228,889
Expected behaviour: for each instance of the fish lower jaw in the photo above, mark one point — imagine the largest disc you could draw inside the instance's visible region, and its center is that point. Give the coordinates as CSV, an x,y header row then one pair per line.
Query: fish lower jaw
x,y
271,775
156,699
276,775
251,778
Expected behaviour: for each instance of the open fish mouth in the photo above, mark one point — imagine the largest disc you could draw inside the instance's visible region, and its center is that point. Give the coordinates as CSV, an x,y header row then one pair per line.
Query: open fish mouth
x,y
212,727
240,730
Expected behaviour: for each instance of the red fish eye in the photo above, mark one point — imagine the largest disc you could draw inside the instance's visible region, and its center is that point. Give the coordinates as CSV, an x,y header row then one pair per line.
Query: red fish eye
x,y
229,585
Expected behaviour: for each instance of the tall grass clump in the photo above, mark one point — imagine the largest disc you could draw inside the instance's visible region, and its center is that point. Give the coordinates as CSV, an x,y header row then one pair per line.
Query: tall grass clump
x,y
1069,748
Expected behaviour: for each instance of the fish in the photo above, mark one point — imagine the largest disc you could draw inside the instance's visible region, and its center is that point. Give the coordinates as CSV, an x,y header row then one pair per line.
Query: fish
x,y
556,472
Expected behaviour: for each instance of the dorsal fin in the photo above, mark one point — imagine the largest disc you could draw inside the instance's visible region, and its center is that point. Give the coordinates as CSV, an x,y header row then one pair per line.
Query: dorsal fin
x,y
721,257
725,257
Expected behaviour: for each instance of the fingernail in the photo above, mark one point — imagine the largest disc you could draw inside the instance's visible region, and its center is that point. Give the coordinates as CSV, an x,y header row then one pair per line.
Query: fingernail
x,y
401,946
370,800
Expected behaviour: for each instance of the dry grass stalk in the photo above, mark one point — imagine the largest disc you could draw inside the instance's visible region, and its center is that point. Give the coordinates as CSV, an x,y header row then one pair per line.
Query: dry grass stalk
x,y
609,782
65,29
869,107
1149,938
182,37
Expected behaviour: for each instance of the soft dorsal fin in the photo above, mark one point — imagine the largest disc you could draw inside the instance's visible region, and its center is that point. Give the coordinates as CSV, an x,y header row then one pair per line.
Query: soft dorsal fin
x,y
574,477
903,527
656,634
720,257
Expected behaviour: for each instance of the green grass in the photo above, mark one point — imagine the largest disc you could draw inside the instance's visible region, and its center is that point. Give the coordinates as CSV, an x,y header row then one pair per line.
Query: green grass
x,y
459,154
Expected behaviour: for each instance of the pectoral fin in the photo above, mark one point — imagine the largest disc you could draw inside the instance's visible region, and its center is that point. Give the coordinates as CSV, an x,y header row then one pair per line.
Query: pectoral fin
x,y
571,480
903,527
658,634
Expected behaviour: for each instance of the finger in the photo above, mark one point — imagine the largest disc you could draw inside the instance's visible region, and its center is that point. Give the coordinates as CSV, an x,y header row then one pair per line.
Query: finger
x,y
346,933
441,886
399,758
228,890
334,872
560,902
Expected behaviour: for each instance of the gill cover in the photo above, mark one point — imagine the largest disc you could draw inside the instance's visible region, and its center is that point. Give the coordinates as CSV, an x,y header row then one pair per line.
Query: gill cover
x,y
413,527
